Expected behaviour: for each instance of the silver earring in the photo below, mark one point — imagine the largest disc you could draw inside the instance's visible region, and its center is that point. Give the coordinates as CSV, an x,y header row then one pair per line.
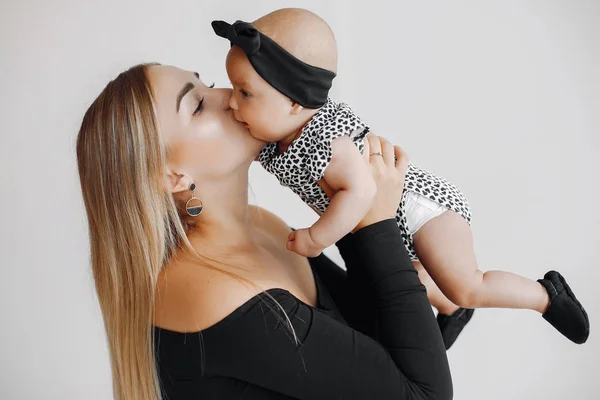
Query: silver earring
x,y
194,205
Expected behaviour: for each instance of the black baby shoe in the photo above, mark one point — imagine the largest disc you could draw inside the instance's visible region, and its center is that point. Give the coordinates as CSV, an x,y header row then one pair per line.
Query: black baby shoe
x,y
565,312
452,325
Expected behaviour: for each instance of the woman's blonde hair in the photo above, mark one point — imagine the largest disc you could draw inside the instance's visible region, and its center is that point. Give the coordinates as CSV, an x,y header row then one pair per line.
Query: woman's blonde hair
x,y
134,224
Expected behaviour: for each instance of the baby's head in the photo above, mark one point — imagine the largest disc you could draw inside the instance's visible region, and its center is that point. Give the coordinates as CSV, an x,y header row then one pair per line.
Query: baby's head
x,y
270,115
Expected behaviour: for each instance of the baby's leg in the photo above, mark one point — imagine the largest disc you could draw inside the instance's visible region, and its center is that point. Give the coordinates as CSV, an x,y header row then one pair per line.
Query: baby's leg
x,y
445,247
451,318
434,294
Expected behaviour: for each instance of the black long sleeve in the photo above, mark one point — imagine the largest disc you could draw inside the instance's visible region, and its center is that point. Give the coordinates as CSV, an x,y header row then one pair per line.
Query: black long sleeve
x,y
405,324
252,353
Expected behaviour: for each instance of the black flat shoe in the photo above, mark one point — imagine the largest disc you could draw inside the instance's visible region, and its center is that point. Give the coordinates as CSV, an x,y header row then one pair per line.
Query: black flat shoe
x,y
452,325
565,312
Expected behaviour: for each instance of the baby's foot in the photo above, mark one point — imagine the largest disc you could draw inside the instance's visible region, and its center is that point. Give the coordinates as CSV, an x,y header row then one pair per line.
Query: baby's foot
x,y
452,325
565,313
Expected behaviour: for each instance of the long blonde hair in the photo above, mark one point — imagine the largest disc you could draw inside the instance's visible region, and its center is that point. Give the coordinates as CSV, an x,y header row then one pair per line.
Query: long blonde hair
x,y
134,224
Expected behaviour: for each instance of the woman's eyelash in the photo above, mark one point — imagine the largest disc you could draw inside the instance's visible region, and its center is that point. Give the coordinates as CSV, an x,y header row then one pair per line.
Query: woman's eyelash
x,y
201,102
199,108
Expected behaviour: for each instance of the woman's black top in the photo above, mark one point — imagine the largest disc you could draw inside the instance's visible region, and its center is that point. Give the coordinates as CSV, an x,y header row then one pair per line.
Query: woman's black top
x,y
372,336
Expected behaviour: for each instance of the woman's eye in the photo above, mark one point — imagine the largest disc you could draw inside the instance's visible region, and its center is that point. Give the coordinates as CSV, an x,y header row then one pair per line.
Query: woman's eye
x,y
199,108
244,93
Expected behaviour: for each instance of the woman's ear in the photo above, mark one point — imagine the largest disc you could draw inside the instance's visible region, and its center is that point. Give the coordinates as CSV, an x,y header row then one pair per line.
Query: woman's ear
x,y
177,183
296,108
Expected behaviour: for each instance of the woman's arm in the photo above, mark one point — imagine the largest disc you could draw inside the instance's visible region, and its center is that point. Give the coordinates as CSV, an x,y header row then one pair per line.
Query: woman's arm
x,y
404,322
377,264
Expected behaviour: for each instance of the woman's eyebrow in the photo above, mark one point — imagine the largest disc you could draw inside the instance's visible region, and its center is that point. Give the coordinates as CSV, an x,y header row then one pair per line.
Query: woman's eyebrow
x,y
188,86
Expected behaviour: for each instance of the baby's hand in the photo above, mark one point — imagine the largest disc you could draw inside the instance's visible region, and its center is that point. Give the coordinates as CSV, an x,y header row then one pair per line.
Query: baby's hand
x,y
302,243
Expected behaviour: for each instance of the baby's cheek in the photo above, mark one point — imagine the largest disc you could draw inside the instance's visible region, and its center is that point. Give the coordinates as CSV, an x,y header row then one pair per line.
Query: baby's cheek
x,y
254,116
262,129
265,128
251,113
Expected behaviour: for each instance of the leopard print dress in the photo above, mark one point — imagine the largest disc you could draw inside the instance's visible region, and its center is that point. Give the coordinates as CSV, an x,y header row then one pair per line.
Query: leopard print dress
x,y
307,158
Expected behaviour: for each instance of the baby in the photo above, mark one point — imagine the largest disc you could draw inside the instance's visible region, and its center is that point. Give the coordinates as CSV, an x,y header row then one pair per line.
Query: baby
x,y
281,68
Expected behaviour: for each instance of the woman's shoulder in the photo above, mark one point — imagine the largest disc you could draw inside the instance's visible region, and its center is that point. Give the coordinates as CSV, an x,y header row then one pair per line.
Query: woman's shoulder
x,y
190,297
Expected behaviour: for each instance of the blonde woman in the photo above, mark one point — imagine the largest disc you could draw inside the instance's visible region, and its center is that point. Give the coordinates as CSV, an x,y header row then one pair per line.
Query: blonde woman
x,y
201,299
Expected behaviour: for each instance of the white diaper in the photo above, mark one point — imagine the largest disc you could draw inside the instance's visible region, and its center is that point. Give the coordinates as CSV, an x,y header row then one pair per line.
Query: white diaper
x,y
419,210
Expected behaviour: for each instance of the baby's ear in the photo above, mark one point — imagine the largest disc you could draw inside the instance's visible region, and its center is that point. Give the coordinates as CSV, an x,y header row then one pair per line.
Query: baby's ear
x,y
296,108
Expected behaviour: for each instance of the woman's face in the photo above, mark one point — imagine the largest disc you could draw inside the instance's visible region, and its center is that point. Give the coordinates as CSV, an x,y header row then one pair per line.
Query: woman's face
x,y
203,139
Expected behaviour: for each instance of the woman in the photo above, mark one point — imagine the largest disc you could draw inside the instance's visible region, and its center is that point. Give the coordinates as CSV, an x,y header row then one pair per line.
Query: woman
x,y
199,295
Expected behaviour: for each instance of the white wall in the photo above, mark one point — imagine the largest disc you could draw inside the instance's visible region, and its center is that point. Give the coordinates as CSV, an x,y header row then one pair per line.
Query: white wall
x,y
501,97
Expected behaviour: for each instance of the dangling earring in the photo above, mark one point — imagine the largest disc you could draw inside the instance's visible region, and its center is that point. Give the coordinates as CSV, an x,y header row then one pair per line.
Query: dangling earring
x,y
194,205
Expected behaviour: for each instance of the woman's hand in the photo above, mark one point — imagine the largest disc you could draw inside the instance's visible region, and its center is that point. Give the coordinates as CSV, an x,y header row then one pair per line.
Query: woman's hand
x,y
388,173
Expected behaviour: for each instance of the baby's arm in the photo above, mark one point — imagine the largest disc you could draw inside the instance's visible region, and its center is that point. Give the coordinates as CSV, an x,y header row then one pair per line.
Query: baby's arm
x,y
353,192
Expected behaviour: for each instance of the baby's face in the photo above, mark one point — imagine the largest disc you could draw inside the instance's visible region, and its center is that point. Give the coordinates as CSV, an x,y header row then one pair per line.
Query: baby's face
x,y
266,112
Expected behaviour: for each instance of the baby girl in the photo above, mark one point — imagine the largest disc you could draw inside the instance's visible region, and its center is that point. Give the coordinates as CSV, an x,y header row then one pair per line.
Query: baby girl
x,y
281,68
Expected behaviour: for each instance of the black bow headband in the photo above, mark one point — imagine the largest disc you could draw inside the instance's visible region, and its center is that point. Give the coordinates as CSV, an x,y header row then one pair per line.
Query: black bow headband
x,y
303,83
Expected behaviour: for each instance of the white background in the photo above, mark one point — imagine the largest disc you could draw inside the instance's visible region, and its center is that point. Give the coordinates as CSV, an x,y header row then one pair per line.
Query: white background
x,y
500,97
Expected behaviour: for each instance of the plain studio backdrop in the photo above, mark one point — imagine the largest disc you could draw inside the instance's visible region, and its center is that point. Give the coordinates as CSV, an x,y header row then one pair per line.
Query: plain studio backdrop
x,y
499,97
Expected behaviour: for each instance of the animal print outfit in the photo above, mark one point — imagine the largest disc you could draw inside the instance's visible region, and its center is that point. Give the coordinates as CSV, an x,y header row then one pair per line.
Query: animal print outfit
x,y
307,158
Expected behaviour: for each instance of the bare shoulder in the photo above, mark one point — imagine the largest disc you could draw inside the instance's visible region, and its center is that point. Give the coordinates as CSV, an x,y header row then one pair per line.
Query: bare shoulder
x,y
190,296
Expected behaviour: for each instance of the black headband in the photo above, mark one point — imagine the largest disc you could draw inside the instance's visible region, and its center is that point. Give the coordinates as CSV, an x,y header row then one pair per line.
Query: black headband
x,y
305,84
